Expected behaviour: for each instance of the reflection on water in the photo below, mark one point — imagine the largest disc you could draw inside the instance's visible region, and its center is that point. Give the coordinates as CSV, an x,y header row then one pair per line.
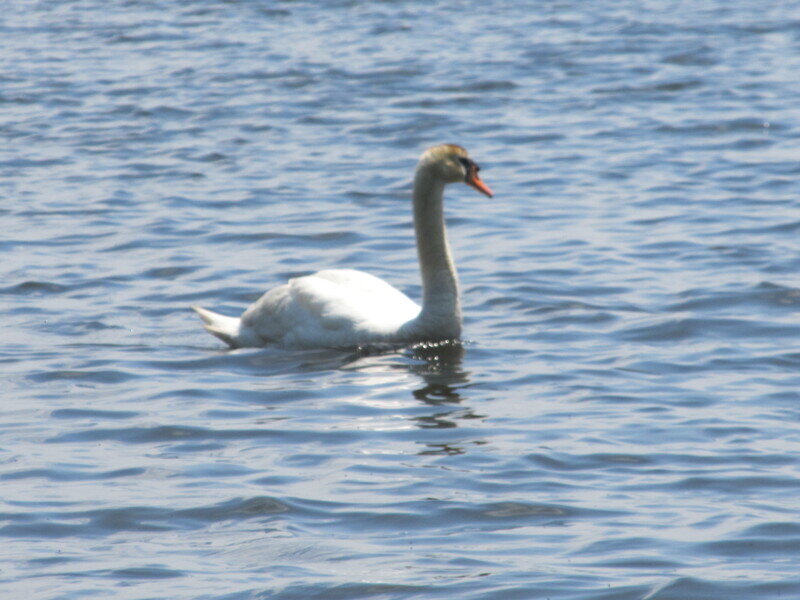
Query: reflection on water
x,y
632,294
440,366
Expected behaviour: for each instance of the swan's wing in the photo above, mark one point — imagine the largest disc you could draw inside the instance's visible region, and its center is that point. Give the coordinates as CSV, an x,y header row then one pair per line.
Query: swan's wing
x,y
334,307
344,298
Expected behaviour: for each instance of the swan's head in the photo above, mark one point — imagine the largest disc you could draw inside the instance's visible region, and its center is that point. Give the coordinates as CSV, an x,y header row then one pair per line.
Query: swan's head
x,y
452,164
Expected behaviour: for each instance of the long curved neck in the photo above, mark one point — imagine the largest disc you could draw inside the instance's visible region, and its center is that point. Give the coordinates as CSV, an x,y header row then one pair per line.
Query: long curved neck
x,y
441,310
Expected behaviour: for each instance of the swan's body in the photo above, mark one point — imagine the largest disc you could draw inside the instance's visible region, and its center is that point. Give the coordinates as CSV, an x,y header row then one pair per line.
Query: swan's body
x,y
348,308
335,308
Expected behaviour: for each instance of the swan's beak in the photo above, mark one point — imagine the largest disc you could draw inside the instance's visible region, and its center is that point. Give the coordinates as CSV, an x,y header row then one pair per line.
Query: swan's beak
x,y
476,182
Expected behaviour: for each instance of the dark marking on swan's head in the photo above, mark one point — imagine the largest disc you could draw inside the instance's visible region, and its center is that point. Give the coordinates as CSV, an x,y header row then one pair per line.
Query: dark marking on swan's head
x,y
469,166
452,163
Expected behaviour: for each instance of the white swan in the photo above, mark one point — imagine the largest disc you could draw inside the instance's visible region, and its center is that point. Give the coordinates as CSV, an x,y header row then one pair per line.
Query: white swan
x,y
346,308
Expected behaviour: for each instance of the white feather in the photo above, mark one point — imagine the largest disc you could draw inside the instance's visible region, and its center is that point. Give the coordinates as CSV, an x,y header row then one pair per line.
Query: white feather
x,y
347,308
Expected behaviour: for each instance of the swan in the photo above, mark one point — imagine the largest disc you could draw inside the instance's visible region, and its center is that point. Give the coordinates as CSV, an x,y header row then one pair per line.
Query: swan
x,y
345,308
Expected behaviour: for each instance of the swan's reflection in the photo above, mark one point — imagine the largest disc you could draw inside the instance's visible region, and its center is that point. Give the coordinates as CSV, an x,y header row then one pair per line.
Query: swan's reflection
x,y
424,387
441,369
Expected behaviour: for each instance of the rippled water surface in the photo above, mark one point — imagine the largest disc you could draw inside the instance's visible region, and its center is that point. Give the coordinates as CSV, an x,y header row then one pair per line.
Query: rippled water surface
x,y
622,420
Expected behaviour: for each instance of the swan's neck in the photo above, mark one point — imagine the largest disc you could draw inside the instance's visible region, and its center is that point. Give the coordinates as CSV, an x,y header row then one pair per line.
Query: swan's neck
x,y
441,311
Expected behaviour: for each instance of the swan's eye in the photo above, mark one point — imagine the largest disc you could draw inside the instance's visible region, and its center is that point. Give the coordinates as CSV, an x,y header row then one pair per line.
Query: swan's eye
x,y
470,168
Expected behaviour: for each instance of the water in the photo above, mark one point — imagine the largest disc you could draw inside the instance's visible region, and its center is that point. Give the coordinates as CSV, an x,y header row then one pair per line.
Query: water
x,y
622,420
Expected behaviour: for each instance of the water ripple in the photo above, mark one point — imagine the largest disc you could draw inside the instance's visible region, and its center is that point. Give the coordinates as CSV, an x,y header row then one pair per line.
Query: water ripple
x,y
619,423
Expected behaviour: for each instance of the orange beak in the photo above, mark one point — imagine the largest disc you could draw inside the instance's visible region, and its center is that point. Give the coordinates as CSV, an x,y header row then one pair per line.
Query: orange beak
x,y
476,182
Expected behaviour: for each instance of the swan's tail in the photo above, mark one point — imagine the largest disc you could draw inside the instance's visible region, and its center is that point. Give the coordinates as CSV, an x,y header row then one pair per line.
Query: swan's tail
x,y
225,328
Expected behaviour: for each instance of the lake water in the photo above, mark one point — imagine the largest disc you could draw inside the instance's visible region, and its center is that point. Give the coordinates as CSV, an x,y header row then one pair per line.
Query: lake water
x,y
622,420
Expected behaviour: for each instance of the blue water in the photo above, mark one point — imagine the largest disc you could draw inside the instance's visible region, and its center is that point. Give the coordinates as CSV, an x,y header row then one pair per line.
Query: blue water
x,y
622,419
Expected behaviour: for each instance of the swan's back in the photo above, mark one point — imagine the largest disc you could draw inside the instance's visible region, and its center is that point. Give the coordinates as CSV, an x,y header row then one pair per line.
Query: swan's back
x,y
337,307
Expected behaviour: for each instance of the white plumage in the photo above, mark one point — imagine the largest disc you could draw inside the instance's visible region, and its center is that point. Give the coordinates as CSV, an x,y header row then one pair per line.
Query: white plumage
x,y
340,308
